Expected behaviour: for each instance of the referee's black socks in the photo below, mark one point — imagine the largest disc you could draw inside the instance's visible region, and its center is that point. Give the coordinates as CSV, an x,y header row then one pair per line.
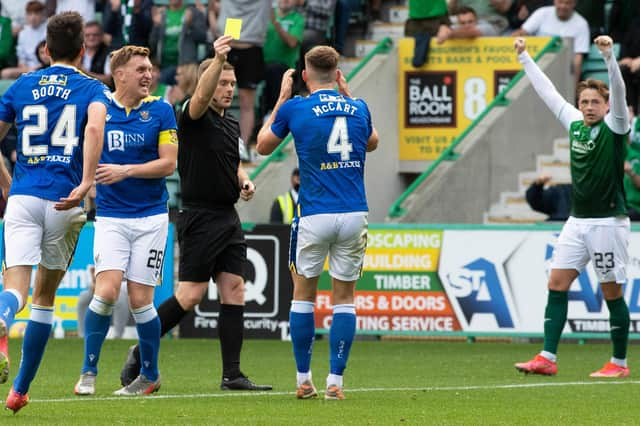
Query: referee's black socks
x,y
170,313
230,330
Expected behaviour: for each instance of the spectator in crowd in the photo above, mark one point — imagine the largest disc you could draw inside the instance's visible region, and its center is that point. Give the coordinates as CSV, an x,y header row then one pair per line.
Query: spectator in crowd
x,y
520,10
317,20
426,20
186,80
193,33
593,12
281,47
492,11
620,17
86,8
632,171
41,54
164,40
630,64
283,207
7,43
246,54
95,60
127,22
28,39
468,26
561,19
15,10
554,200
375,10
158,88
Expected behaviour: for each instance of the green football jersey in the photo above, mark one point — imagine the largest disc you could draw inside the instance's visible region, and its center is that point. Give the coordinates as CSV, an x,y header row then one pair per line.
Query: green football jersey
x,y
597,170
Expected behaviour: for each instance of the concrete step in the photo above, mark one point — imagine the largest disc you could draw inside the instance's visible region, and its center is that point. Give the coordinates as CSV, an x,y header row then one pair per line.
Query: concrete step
x,y
561,149
555,167
500,215
382,30
364,47
398,14
348,64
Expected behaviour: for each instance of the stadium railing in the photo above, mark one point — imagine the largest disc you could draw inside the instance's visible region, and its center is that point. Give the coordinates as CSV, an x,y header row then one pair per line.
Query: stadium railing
x,y
384,46
449,154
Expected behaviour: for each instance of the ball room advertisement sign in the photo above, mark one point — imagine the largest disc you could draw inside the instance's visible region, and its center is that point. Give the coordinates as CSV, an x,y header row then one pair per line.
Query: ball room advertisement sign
x,y
459,80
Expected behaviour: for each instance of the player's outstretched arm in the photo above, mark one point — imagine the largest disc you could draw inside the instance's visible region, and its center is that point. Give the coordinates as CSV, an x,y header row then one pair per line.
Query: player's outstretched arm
x,y
93,141
561,109
208,81
618,118
267,140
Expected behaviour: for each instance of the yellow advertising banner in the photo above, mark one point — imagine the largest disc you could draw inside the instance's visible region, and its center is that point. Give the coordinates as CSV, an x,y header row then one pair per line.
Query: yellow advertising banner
x,y
440,99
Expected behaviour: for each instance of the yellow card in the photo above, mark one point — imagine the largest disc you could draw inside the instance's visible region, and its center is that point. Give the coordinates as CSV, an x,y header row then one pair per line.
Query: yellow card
x,y
233,27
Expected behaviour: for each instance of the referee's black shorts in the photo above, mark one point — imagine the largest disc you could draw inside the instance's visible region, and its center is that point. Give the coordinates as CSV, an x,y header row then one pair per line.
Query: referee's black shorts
x,y
210,241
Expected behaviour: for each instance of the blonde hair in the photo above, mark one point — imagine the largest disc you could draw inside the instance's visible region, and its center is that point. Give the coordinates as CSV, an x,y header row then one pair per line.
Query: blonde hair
x,y
597,85
123,55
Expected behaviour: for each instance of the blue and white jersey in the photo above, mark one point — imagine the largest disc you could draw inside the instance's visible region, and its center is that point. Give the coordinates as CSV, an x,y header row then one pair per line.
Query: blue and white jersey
x,y
49,107
331,133
132,136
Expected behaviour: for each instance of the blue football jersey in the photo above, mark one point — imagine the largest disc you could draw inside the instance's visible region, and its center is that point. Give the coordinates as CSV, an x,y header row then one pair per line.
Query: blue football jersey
x,y
132,136
49,107
330,133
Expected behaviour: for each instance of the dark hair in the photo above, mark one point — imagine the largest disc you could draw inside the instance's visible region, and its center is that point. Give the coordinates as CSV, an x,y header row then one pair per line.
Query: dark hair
x,y
295,172
64,36
462,10
34,6
42,63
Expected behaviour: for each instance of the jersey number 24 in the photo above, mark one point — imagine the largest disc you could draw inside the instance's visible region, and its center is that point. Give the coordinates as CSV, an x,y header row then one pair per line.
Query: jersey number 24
x,y
63,134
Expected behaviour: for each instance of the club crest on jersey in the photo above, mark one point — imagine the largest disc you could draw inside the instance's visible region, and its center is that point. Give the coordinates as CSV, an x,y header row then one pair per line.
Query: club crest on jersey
x,y
58,79
145,116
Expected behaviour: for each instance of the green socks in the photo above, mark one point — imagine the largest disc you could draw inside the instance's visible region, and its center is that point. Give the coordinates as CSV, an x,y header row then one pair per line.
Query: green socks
x,y
619,322
555,316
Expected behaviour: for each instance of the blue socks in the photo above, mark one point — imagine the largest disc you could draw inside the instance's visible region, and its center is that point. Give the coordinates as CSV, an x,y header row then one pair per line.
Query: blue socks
x,y
303,329
341,334
35,341
96,327
148,326
10,302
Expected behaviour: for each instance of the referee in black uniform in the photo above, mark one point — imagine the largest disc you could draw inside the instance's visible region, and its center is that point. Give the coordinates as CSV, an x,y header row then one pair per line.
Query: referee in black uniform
x,y
212,243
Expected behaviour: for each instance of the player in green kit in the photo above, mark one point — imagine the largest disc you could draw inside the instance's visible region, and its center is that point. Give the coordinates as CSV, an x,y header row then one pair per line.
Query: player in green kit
x,y
598,228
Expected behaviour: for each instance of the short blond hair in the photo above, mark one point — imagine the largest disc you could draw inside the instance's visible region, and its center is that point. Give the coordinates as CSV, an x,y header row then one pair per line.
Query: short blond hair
x,y
322,62
123,55
205,64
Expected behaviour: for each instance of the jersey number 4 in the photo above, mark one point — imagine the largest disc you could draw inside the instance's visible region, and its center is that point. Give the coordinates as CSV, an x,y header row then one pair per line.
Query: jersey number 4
x,y
339,139
63,134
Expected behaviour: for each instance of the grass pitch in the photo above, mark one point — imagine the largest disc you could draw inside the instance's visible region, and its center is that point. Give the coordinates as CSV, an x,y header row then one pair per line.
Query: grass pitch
x,y
389,382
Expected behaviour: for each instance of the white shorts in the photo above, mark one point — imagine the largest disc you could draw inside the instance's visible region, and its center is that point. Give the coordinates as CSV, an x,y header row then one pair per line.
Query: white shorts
x,y
135,246
36,233
603,241
343,236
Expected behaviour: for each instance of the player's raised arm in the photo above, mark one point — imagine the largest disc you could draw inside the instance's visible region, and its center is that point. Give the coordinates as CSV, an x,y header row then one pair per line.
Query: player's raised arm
x,y
267,140
563,110
208,81
618,117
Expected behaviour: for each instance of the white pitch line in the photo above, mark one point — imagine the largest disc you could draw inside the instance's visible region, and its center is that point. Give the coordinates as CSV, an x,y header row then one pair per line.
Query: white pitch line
x,y
356,390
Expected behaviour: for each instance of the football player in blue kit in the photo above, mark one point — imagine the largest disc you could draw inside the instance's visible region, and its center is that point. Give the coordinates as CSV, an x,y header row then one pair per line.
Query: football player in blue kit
x,y
132,216
332,132
59,114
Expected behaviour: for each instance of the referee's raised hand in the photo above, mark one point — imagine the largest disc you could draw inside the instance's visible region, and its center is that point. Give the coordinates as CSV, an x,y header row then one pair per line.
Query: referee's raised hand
x,y
222,46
